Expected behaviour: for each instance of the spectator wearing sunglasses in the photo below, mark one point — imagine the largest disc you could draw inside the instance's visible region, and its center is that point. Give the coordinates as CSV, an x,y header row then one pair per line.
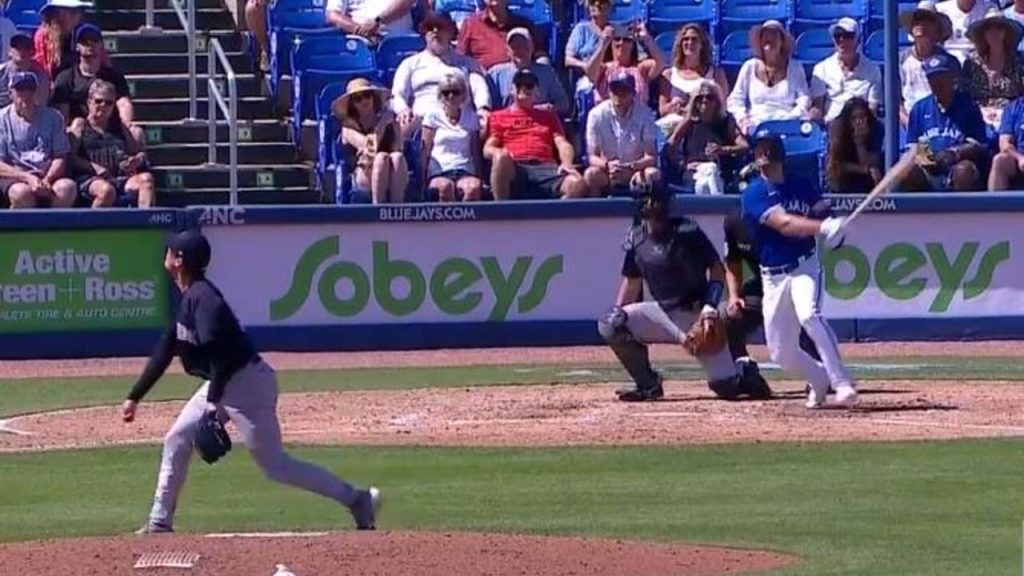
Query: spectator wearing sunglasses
x,y
550,93
371,143
109,163
844,75
450,154
619,51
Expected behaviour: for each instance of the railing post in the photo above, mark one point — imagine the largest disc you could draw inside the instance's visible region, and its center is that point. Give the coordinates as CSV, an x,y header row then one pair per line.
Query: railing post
x,y
193,89
233,132
211,102
229,109
149,28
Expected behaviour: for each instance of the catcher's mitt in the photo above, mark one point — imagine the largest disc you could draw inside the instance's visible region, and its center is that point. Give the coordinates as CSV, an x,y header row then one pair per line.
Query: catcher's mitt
x,y
707,336
212,440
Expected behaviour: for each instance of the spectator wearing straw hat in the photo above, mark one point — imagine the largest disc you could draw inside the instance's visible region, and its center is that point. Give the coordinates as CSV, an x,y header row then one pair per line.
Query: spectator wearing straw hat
x,y
844,75
928,29
948,132
772,85
993,71
21,58
961,14
371,143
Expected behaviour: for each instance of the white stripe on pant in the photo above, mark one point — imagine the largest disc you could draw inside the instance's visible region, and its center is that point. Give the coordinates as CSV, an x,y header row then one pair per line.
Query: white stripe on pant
x,y
250,402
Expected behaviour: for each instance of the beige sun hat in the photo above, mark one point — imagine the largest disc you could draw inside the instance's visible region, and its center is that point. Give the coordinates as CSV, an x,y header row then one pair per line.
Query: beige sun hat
x,y
926,10
756,32
995,17
356,86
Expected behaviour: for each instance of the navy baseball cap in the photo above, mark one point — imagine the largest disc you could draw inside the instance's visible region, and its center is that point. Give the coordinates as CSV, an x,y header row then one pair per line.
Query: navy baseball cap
x,y
939,63
24,81
192,247
87,31
524,77
21,41
622,79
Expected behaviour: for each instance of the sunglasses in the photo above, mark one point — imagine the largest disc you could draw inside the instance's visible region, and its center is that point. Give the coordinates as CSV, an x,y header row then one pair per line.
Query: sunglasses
x,y
362,96
690,39
841,36
102,102
451,93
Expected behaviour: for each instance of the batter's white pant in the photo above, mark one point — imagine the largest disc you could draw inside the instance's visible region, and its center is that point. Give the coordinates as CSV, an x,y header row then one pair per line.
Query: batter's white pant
x,y
793,301
250,401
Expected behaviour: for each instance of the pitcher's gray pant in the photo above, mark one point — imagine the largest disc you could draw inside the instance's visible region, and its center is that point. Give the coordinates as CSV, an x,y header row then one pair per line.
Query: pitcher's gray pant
x,y
648,323
250,401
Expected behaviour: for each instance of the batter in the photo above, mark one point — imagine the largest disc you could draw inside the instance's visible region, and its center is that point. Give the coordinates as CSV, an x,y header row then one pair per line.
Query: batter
x,y
239,386
784,236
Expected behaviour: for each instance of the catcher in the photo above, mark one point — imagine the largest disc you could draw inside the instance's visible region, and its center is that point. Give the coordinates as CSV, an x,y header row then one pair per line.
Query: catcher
x,y
684,275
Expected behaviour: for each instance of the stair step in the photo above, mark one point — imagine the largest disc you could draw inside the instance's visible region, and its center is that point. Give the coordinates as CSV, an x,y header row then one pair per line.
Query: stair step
x,y
177,109
176,86
248,153
251,176
169,41
142,63
219,196
166,18
159,4
178,133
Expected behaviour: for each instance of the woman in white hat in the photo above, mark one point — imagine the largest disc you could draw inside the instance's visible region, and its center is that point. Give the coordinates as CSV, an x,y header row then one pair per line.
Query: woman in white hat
x,y
55,49
992,70
372,143
928,29
772,85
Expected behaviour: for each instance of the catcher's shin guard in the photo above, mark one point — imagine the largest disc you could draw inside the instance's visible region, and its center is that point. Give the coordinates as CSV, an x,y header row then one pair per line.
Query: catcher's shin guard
x,y
632,354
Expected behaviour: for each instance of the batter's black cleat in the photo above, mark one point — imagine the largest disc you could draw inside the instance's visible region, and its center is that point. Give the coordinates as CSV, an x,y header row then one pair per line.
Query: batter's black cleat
x,y
641,394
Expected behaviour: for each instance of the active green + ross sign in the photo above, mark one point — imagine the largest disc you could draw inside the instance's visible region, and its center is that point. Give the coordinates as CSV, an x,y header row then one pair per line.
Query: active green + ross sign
x,y
60,281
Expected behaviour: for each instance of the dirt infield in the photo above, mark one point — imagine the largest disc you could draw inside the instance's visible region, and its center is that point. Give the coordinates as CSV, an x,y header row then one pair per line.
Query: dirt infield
x,y
385,554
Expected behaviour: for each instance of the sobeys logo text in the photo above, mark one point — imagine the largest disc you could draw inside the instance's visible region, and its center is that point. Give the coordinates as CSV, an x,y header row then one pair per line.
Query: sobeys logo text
x,y
455,285
899,271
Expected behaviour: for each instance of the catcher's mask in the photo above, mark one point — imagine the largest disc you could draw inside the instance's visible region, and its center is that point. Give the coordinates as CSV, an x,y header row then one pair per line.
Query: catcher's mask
x,y
655,204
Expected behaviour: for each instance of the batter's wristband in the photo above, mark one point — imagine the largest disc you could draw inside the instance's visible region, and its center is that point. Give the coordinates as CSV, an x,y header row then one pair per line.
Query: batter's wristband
x,y
715,291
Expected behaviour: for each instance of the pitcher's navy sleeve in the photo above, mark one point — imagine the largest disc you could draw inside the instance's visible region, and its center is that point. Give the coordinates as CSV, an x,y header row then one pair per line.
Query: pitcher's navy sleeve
x,y
157,364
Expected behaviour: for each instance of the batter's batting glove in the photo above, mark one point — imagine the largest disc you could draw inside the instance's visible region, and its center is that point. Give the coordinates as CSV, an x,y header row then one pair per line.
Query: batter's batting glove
x,y
212,440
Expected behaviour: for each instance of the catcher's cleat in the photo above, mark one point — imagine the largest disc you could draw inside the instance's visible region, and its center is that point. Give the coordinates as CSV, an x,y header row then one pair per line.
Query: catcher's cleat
x,y
642,395
752,383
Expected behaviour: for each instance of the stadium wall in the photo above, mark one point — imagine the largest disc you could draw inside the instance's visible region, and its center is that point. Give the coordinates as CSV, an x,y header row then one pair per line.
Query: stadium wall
x,y
91,283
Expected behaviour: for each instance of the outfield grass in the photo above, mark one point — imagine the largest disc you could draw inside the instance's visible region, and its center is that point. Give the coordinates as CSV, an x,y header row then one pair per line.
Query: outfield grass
x,y
907,509
36,394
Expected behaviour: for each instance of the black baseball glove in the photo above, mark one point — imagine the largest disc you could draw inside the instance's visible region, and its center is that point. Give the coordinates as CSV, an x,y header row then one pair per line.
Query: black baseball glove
x,y
212,440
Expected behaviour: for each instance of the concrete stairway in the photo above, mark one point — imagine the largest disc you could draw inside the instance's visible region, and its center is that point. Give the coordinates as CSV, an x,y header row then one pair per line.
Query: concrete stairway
x,y
156,67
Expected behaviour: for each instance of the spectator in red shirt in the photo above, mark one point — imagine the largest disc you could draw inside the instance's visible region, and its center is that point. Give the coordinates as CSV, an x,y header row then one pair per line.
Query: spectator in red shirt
x,y
483,35
528,150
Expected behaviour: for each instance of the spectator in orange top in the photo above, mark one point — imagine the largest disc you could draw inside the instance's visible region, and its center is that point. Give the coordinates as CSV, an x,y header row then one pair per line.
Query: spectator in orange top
x,y
483,35
55,48
529,151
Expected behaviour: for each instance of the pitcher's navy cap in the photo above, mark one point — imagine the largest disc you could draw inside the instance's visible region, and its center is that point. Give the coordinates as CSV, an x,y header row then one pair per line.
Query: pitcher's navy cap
x,y
192,247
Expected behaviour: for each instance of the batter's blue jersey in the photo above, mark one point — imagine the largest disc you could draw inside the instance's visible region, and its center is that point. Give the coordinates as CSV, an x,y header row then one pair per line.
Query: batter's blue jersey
x,y
760,199
945,129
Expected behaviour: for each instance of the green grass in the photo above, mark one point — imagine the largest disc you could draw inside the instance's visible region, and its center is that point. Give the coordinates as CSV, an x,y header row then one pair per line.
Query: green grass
x,y
850,509
38,394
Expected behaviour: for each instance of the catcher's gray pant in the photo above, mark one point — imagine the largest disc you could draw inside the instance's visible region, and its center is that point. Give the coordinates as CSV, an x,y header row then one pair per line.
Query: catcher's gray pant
x,y
250,401
648,323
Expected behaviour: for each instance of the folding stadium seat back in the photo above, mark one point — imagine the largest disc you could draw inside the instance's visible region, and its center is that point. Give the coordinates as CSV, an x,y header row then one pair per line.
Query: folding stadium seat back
x,y
666,42
15,6
828,11
327,125
392,50
670,15
876,8
333,52
307,85
874,46
798,136
740,15
286,28
814,45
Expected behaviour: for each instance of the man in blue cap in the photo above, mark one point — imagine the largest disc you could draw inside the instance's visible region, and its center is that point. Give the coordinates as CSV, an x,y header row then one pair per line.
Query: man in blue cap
x,y
949,132
21,57
71,87
33,150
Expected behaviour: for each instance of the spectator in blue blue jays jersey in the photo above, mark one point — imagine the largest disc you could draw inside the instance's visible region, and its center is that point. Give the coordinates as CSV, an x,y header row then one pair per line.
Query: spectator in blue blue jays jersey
x,y
1008,165
948,131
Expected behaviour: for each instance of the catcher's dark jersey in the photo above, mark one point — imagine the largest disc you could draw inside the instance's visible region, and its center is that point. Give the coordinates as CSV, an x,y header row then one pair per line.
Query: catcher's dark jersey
x,y
675,270
739,245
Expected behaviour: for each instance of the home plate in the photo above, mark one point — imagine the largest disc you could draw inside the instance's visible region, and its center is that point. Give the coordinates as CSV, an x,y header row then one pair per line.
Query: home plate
x,y
185,560
269,535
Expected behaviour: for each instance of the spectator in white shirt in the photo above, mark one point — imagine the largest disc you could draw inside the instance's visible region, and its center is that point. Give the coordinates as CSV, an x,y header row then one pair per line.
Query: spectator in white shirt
x,y
961,14
692,65
621,139
450,153
772,85
1015,12
370,19
415,88
928,30
844,75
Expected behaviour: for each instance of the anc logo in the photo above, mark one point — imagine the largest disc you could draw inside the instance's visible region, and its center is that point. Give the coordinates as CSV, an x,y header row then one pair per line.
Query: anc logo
x,y
456,286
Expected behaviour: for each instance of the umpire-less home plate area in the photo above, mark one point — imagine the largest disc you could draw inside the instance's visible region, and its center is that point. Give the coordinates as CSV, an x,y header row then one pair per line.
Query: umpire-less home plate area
x,y
467,447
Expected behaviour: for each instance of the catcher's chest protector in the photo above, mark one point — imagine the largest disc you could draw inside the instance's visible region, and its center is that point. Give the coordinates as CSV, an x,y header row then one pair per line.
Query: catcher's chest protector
x,y
672,270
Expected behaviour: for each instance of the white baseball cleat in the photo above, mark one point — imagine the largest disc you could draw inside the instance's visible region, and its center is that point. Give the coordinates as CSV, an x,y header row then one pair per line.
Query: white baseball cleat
x,y
815,398
846,395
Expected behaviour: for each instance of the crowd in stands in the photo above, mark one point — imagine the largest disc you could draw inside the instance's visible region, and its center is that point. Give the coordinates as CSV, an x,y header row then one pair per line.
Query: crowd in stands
x,y
67,136
482,112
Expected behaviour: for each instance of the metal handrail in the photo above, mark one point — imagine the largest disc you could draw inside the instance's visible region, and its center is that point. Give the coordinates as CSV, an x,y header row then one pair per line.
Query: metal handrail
x,y
230,110
187,17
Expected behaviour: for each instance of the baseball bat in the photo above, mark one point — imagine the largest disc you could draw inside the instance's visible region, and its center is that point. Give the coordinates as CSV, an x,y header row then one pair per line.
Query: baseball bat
x,y
898,171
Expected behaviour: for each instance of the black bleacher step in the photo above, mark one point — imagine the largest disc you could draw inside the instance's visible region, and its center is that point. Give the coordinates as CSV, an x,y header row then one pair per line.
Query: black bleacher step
x,y
262,177
249,108
176,86
169,41
158,4
166,18
142,63
246,196
185,133
248,153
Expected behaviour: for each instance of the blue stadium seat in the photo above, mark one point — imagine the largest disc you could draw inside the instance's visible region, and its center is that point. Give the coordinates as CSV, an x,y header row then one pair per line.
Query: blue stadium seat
x,y
737,15
15,6
666,42
327,125
805,143
392,50
318,61
814,46
670,15
733,52
874,47
828,11
622,11
286,27
25,21
876,8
